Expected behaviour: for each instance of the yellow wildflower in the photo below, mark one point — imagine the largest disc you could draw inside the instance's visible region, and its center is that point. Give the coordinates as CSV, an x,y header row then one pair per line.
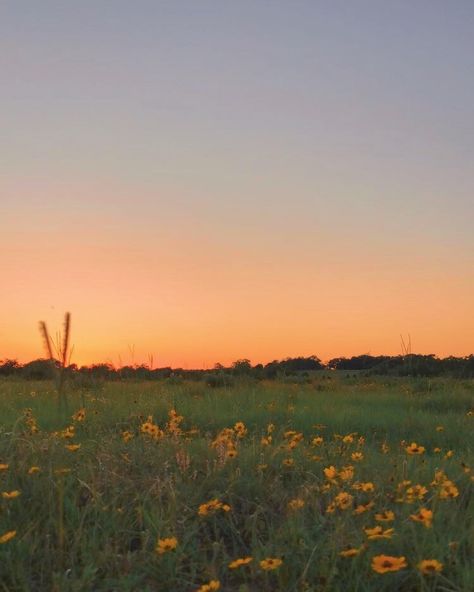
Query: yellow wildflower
x,y
7,536
270,563
296,504
414,448
72,447
379,533
213,585
165,545
351,551
424,516
430,566
239,562
11,494
387,516
385,563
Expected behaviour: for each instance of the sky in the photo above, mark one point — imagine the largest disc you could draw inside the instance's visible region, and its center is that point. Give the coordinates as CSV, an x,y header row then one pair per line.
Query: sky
x,y
207,181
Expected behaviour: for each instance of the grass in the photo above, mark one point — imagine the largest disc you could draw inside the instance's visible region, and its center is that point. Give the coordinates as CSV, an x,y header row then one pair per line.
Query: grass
x,y
90,518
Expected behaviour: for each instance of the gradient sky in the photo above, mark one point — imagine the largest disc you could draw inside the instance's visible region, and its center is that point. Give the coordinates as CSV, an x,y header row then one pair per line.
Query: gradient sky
x,y
204,181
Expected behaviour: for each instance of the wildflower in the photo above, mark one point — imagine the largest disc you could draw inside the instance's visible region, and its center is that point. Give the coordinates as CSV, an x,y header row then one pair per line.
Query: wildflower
x,y
7,536
165,545
424,516
387,516
343,500
346,473
330,472
33,470
231,453
211,507
317,441
3,466
437,450
270,563
213,585
79,415
414,448
270,428
240,429
127,436
288,462
296,504
351,551
379,533
366,486
449,454
11,494
72,447
348,439
357,456
440,428
448,490
430,566
415,492
266,441
385,448
239,562
385,563
361,508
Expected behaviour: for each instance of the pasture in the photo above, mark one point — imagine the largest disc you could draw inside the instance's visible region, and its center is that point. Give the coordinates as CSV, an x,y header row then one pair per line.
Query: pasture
x,y
338,484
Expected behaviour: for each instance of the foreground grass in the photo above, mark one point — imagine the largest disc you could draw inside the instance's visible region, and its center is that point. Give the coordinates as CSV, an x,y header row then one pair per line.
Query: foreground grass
x,y
94,500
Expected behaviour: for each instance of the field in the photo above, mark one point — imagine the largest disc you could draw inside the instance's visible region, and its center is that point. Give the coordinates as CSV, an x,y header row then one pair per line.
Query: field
x,y
338,484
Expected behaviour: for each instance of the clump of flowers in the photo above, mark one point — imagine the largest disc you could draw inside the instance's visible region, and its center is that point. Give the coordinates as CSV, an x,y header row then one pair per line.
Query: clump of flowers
x,y
30,421
80,415
226,443
447,489
342,501
68,433
174,422
409,494
212,507
149,428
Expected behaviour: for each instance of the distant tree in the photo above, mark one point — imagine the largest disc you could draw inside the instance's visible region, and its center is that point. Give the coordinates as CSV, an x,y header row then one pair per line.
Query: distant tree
x,y
242,367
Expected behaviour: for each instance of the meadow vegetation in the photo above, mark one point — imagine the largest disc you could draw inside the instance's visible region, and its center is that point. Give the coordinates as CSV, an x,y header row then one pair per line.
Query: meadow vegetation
x,y
338,484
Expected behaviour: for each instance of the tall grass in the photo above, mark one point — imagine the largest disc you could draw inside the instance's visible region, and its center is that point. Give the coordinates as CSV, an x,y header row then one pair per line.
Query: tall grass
x,y
90,518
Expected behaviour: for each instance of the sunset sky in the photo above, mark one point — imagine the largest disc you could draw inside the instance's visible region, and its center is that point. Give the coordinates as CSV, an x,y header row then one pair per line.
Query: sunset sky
x,y
205,181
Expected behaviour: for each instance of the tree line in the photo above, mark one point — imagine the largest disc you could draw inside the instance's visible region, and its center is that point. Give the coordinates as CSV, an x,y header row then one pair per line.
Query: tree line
x,y
402,365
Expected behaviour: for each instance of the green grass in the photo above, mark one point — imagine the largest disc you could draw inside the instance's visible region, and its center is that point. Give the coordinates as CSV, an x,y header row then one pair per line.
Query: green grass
x,y
95,527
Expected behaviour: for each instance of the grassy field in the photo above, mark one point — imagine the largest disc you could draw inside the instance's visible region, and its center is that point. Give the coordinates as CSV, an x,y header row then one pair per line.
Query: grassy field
x,y
163,486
